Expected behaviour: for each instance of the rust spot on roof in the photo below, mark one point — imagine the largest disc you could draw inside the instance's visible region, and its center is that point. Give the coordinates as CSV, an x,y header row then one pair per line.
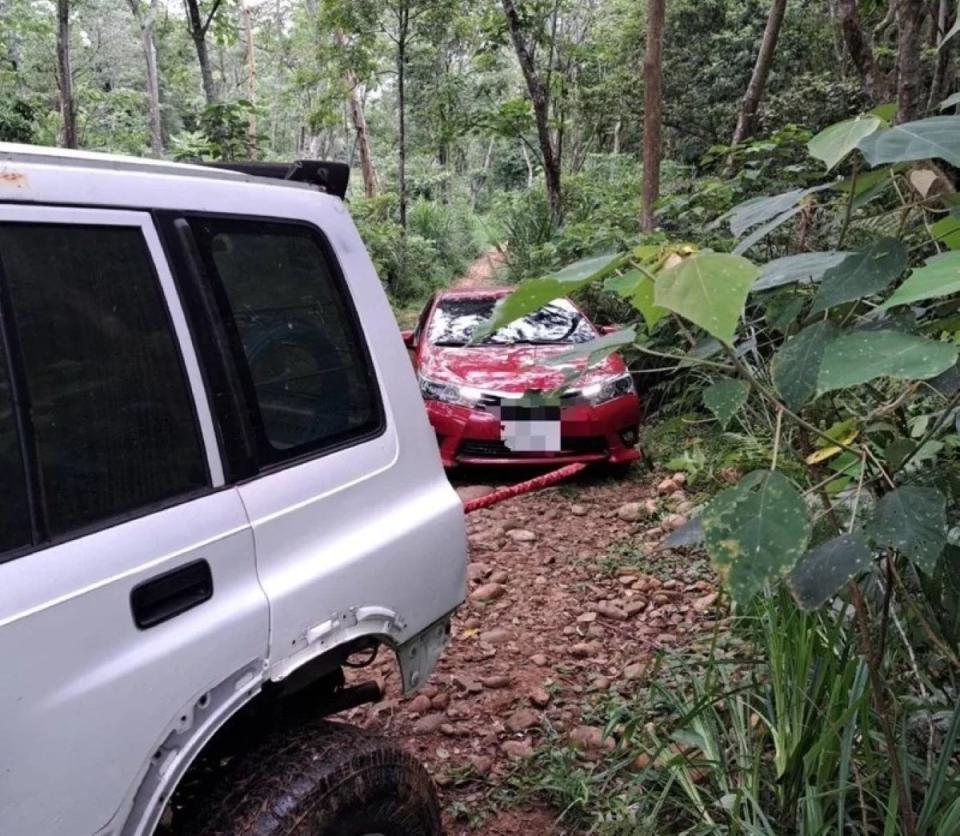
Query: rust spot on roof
x,y
13,178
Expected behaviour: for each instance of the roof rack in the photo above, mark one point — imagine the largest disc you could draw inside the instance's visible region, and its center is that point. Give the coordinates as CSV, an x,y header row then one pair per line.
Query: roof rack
x,y
331,177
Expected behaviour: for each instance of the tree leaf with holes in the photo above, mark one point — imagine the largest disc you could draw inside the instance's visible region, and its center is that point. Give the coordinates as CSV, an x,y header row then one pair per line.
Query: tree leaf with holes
x,y
823,571
862,356
801,269
796,366
913,521
861,274
724,398
936,137
638,288
939,277
756,532
832,144
533,294
709,289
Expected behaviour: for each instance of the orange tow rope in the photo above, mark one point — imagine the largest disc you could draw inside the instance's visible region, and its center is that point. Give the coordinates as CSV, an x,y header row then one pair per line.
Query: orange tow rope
x,y
530,485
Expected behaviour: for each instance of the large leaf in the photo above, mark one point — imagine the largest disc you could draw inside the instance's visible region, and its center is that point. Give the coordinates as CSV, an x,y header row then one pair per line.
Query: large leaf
x,y
937,137
759,210
756,532
951,101
533,294
913,521
796,366
763,231
940,276
861,274
834,143
862,356
596,350
823,571
709,289
725,398
638,288
802,269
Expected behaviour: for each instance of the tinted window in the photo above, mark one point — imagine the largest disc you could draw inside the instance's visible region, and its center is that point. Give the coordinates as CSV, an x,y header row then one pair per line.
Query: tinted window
x,y
300,351
112,417
455,320
14,510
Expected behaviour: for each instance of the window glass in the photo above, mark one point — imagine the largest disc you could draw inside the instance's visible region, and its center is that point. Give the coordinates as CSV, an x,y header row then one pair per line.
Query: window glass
x,y
110,408
456,318
14,510
310,383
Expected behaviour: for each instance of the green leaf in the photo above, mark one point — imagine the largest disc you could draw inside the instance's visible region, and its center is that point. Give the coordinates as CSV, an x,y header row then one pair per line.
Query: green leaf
x,y
759,210
947,231
823,571
596,350
709,289
638,287
862,356
951,101
796,366
861,274
940,276
937,137
756,532
803,268
533,294
725,398
886,112
834,143
763,231
953,31
913,521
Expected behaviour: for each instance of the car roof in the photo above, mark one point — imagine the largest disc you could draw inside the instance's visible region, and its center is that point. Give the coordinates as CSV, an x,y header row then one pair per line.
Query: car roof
x,y
15,153
475,293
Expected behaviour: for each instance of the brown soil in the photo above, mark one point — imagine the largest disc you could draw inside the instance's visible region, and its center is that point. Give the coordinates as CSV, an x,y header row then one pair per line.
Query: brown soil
x,y
571,615
482,274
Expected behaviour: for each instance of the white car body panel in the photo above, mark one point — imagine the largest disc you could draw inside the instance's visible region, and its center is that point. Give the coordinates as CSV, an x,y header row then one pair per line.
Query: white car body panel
x,y
365,540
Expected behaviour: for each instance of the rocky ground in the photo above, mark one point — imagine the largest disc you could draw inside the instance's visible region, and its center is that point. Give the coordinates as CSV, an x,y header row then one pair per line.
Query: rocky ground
x,y
569,598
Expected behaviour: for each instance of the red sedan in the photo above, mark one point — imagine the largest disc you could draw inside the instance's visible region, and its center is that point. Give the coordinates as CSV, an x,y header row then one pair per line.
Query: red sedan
x,y
504,402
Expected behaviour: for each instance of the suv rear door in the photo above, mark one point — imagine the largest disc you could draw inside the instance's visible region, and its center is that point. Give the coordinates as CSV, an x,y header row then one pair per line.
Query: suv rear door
x,y
130,611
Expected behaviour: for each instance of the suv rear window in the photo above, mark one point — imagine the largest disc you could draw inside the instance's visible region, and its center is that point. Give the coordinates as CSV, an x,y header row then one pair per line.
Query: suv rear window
x,y
298,348
15,529
109,408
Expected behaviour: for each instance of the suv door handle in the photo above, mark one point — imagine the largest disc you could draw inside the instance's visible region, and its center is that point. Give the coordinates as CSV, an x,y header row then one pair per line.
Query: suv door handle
x,y
170,594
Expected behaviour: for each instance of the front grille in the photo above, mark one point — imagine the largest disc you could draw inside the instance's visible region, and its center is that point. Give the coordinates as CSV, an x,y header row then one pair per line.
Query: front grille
x,y
499,450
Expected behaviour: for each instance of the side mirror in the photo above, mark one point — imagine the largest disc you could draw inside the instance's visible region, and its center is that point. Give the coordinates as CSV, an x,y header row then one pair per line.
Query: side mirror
x,y
606,330
408,338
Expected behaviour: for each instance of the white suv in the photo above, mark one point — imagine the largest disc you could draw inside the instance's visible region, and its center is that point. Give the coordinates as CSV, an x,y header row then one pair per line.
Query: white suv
x,y
218,488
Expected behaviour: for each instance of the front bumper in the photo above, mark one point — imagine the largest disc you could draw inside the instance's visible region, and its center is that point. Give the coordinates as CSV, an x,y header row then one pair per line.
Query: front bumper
x,y
604,433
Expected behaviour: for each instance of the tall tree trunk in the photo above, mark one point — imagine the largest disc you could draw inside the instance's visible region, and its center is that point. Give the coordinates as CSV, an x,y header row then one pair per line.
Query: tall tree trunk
x,y
402,107
198,34
251,79
909,23
861,52
942,71
68,109
371,185
652,111
540,99
761,70
146,19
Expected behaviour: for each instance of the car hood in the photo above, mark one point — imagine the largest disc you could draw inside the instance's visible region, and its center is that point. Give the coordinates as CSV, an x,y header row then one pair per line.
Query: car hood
x,y
512,368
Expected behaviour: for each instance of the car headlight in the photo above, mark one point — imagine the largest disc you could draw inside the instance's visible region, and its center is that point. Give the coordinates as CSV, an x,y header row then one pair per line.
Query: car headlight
x,y
607,390
434,390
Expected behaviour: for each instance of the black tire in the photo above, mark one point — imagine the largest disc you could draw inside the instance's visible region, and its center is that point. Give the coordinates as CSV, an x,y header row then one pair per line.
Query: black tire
x,y
321,779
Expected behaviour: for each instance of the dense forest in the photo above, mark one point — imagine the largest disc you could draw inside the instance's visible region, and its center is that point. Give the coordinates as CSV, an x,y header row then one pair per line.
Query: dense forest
x,y
763,194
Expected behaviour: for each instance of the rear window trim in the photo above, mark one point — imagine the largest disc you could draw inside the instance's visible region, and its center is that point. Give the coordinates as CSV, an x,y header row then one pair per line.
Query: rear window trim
x,y
341,286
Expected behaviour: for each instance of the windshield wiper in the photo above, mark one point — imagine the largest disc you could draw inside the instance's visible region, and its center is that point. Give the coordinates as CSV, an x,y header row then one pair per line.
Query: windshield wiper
x,y
449,344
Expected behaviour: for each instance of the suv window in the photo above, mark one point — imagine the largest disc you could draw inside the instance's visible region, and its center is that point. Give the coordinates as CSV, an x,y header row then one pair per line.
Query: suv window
x,y
15,529
111,413
308,380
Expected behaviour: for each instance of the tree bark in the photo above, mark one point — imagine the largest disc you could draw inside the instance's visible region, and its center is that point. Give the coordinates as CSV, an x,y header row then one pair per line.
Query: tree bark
x,y
909,23
146,19
198,34
251,80
540,99
402,32
371,185
861,52
761,71
652,111
942,70
68,109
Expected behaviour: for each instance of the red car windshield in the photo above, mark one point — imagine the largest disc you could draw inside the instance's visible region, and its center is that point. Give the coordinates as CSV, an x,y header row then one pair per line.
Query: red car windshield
x,y
454,321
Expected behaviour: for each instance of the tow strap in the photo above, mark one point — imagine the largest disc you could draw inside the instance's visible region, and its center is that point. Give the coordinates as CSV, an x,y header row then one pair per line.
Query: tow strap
x,y
529,486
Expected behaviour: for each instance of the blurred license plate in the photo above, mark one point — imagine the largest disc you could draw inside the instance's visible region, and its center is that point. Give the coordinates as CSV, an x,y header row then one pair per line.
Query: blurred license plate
x,y
526,429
